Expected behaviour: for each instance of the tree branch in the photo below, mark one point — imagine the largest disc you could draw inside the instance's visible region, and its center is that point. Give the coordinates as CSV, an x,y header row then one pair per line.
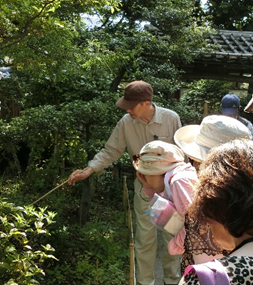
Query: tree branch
x,y
17,38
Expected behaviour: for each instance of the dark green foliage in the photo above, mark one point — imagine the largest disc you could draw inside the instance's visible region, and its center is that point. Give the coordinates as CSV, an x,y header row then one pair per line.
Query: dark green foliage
x,y
96,253
231,15
209,91
63,136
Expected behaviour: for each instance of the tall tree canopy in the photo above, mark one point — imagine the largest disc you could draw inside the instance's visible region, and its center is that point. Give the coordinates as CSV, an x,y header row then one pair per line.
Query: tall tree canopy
x,y
36,34
68,75
41,34
231,14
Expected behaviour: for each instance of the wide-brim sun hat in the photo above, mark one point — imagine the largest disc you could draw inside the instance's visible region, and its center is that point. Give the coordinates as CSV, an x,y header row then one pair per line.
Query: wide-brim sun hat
x,y
158,157
197,140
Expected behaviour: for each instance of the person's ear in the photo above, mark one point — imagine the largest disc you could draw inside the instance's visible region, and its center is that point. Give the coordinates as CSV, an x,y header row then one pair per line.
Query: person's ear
x,y
147,104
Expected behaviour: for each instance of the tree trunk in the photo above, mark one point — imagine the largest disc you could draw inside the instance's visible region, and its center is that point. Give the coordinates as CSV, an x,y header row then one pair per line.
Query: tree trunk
x,y
117,80
86,198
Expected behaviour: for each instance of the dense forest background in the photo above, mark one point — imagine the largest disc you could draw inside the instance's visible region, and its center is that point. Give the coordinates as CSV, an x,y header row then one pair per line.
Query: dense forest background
x,y
63,65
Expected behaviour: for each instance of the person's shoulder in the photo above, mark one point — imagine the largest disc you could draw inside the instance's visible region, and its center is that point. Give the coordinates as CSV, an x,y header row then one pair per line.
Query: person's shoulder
x,y
235,260
245,121
126,117
189,279
125,120
185,173
167,111
236,266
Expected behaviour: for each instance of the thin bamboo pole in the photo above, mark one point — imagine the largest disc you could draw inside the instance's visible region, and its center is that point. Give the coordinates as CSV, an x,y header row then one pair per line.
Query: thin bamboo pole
x,y
56,188
125,198
131,273
205,108
130,234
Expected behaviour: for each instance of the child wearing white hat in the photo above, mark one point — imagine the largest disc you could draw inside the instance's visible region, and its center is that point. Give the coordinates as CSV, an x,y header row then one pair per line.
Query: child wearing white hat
x,y
162,170
168,182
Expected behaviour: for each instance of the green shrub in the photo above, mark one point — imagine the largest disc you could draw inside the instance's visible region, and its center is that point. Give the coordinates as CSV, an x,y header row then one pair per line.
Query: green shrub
x,y
22,248
95,254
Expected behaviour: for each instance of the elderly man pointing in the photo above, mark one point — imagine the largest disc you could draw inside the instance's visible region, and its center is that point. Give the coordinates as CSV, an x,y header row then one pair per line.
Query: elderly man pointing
x,y
143,123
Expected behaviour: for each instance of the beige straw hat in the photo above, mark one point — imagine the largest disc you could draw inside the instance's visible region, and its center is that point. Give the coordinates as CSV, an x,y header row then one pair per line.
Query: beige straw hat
x,y
197,140
158,157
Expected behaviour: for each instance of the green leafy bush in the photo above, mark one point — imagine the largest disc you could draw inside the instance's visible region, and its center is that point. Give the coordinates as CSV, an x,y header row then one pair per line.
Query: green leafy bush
x,y
22,248
95,254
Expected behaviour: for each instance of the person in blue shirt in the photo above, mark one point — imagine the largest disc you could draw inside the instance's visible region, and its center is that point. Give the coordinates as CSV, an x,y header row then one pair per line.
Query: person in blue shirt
x,y
230,106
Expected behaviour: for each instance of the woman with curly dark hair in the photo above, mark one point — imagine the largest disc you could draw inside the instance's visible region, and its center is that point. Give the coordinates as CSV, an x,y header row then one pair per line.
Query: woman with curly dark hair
x,y
224,198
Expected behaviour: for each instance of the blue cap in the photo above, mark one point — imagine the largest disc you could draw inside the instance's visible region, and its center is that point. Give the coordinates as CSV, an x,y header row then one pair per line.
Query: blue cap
x,y
230,104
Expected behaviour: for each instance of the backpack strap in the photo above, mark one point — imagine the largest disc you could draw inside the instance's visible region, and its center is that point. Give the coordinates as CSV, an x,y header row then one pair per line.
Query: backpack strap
x,y
209,273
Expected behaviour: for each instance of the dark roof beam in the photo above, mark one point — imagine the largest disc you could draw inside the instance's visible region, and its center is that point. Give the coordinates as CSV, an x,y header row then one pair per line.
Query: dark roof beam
x,y
247,43
228,43
230,54
216,42
213,76
238,44
213,39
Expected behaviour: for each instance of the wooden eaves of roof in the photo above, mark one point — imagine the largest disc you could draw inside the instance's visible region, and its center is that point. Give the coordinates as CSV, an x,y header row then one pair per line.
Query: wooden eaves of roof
x,y
230,59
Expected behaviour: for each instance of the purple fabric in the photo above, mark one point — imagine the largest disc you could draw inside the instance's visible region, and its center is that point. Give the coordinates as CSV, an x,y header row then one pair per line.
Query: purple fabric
x,y
210,273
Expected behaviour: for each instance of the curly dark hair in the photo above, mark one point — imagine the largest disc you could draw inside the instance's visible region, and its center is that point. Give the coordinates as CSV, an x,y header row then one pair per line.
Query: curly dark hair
x,y
224,192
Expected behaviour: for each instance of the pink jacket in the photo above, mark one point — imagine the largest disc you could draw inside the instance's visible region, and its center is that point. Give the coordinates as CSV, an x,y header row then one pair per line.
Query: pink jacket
x,y
179,184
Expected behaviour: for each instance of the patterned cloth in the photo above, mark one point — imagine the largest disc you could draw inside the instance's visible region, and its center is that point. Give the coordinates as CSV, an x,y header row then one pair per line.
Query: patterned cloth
x,y
198,240
238,268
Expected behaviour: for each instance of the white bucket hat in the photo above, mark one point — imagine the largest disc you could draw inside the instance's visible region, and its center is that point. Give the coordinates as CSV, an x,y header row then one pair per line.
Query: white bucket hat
x,y
197,140
158,157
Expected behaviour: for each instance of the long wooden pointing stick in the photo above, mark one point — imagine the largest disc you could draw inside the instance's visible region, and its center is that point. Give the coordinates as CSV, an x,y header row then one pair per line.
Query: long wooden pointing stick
x,y
58,186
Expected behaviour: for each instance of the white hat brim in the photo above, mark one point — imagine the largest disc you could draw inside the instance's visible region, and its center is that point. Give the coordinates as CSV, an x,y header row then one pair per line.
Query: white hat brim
x,y
249,107
184,138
